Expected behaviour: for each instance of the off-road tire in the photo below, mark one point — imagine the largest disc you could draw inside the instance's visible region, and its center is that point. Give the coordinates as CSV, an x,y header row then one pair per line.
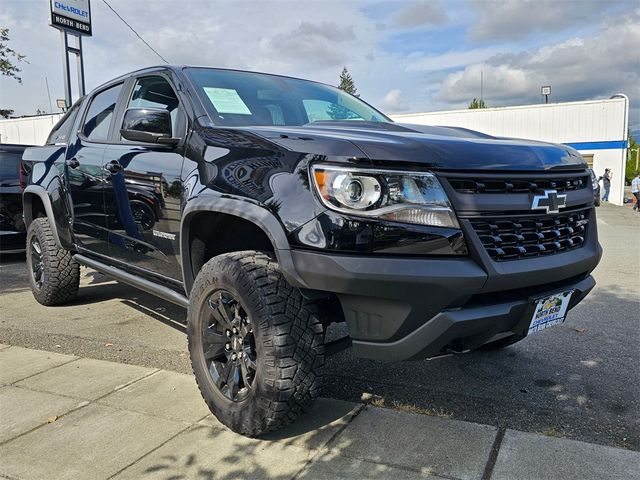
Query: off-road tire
x,y
288,342
61,272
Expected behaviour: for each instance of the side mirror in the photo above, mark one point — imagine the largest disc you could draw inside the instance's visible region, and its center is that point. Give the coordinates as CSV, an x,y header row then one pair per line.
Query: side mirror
x,y
148,125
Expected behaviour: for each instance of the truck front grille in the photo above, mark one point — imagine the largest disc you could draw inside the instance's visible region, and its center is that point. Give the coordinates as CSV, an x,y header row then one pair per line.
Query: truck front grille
x,y
508,238
519,184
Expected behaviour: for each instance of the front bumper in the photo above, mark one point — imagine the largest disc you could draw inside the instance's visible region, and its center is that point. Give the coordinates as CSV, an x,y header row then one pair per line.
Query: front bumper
x,y
399,308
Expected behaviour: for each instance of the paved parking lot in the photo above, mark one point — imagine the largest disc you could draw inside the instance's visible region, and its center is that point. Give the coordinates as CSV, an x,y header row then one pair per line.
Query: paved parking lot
x,y
579,380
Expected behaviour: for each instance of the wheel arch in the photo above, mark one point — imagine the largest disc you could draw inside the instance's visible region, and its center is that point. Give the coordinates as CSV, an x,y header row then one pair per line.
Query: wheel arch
x,y
258,217
36,203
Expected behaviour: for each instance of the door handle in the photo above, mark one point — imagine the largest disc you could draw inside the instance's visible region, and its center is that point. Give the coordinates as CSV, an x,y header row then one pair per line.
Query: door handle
x,y
113,166
72,162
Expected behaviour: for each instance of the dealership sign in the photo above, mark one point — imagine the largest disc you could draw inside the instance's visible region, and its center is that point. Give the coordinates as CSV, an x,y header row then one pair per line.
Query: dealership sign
x,y
72,15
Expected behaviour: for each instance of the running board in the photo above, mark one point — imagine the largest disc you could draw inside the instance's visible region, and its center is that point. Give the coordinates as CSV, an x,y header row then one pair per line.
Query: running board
x,y
134,280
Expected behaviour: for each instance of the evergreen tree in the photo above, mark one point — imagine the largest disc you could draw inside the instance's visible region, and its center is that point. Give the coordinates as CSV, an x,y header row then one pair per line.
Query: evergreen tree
x,y
475,103
338,112
347,84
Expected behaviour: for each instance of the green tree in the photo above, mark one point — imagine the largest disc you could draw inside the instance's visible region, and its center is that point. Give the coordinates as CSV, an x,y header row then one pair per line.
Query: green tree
x,y
338,112
347,84
632,151
8,58
477,103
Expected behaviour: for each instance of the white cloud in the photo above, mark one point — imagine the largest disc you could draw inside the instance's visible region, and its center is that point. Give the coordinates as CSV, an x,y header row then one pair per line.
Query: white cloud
x,y
307,39
513,19
421,14
579,68
448,60
393,102
500,83
314,39
322,44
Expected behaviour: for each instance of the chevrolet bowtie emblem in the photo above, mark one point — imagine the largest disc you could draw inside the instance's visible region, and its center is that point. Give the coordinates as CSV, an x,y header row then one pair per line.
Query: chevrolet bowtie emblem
x,y
549,201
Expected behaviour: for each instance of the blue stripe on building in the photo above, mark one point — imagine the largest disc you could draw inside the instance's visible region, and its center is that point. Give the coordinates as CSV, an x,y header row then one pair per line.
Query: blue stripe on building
x,y
609,145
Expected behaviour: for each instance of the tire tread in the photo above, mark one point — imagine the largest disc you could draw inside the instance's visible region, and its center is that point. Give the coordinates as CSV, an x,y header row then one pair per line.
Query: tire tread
x,y
62,272
292,338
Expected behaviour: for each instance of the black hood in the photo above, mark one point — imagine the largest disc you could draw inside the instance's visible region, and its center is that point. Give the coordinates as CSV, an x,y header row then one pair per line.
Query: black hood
x,y
446,148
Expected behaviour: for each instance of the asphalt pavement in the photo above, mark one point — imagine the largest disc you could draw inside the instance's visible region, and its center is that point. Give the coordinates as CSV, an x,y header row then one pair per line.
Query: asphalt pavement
x,y
579,380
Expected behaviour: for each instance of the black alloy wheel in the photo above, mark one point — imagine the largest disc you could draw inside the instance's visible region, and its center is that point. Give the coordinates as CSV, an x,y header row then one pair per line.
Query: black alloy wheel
x,y
229,345
37,264
143,214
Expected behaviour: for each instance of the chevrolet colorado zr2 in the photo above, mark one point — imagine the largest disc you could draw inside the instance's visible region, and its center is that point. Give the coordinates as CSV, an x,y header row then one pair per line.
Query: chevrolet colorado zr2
x,y
271,206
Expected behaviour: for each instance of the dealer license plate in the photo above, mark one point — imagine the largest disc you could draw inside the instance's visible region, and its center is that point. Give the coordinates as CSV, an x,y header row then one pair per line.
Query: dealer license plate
x,y
550,311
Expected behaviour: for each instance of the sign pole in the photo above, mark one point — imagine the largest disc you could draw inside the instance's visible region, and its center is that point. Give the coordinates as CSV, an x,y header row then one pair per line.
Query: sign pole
x,y
546,91
73,19
80,67
67,71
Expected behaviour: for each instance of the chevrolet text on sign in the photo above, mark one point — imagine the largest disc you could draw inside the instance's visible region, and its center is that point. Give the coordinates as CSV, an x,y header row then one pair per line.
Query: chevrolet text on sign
x,y
73,15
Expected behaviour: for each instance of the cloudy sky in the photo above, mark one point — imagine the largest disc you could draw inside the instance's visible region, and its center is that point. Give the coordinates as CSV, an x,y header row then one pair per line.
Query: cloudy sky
x,y
403,55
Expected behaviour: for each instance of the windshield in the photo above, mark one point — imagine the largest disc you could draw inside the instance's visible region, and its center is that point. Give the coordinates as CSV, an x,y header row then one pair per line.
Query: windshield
x,y
235,98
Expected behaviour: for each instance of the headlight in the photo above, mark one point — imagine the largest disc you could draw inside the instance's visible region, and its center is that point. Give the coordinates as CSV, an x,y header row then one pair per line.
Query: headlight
x,y
408,197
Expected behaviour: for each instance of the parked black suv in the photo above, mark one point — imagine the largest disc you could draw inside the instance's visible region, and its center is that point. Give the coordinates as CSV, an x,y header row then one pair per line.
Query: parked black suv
x,y
284,205
12,230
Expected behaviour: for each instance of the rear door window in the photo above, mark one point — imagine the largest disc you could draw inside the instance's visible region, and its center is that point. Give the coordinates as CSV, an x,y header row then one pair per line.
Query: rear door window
x,y
62,130
100,113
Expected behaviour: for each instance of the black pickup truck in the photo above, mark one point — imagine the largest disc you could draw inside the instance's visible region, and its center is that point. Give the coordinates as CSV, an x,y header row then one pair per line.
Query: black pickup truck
x,y
272,206
12,230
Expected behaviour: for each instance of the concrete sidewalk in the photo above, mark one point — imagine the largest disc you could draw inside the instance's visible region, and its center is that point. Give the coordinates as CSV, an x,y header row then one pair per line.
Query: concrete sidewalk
x,y
64,417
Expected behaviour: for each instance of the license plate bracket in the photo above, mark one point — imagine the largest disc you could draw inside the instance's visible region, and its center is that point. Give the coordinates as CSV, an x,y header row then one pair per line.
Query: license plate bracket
x,y
550,310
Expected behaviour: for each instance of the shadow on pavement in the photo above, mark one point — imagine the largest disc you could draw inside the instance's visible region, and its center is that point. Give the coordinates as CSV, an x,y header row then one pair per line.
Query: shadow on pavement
x,y
203,452
579,379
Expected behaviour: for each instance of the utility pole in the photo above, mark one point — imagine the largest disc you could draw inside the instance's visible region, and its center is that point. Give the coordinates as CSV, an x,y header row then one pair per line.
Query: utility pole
x,y
48,94
481,86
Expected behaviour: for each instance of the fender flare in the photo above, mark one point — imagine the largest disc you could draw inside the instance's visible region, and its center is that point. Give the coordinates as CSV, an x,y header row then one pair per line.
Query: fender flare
x,y
246,210
48,208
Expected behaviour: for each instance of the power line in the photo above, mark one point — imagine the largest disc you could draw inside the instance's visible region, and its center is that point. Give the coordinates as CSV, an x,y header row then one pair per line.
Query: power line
x,y
133,30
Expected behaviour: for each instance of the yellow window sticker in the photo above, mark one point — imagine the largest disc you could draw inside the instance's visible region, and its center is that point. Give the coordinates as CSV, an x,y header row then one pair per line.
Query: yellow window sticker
x,y
226,100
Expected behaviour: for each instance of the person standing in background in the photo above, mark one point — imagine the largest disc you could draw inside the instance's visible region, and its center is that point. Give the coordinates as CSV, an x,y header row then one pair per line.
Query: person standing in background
x,y
606,184
635,190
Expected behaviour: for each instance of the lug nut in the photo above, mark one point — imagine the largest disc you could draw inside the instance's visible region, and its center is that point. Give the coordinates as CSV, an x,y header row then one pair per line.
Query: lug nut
x,y
227,346
228,333
235,331
234,357
240,355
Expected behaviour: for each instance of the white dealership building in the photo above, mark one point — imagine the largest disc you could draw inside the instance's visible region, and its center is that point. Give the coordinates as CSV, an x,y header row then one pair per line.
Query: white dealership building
x,y
28,130
598,129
